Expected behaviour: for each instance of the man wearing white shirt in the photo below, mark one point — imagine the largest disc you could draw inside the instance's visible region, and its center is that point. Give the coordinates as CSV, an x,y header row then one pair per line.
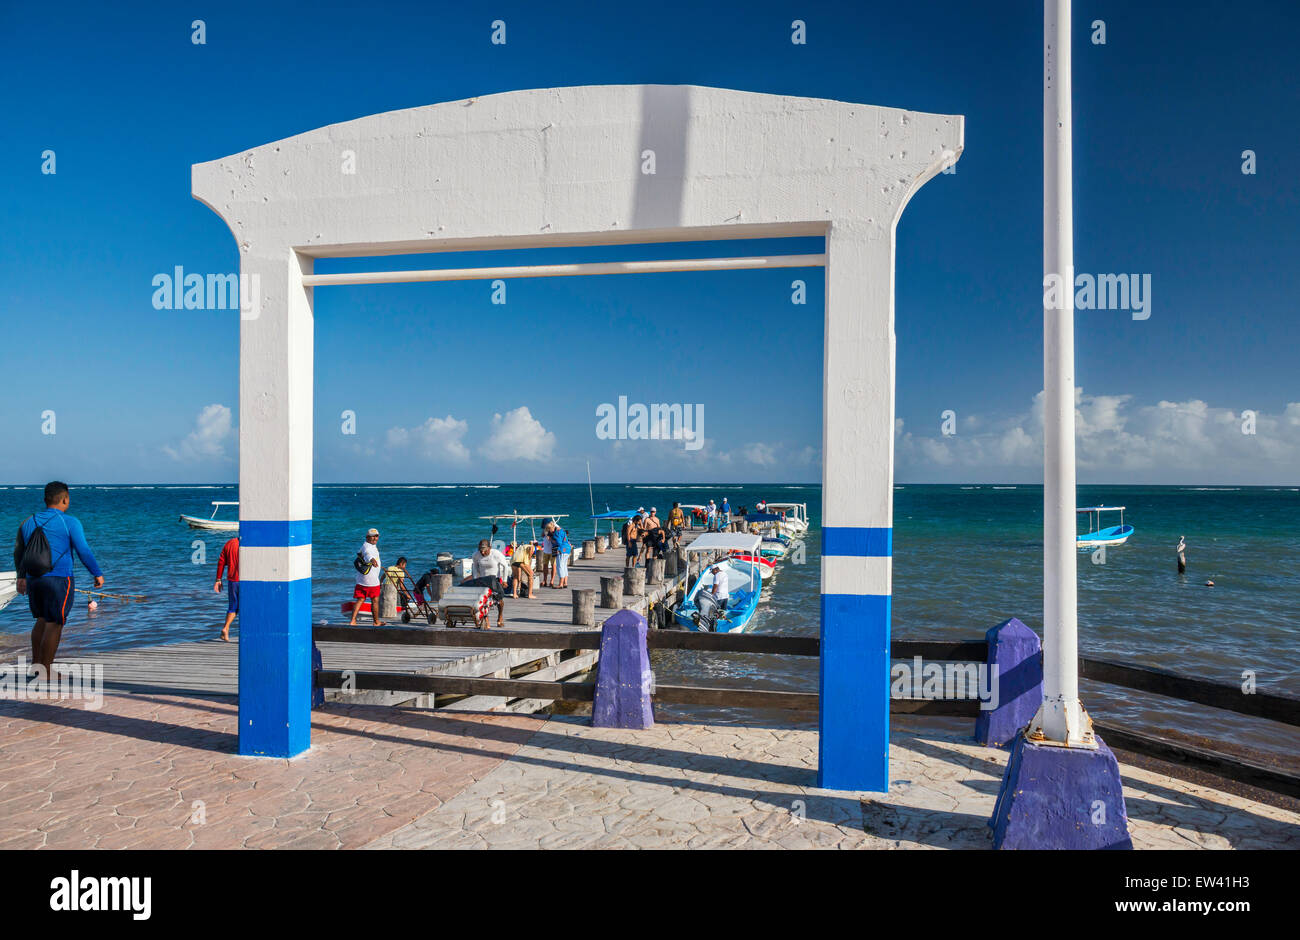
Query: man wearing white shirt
x,y
490,569
719,587
367,587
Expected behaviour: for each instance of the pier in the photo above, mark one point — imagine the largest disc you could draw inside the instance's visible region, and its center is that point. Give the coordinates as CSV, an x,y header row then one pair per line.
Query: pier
x,y
210,667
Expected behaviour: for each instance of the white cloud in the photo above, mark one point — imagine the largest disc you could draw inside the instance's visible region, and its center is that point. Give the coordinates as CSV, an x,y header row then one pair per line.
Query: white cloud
x,y
518,436
212,430
438,439
759,454
1116,441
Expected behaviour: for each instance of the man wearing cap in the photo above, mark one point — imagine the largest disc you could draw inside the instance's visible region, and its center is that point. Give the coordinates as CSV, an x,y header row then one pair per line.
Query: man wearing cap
x,y
367,588
719,586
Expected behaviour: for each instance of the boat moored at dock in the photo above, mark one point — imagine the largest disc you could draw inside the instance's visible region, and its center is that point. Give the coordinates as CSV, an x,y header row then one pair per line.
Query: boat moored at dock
x,y
702,609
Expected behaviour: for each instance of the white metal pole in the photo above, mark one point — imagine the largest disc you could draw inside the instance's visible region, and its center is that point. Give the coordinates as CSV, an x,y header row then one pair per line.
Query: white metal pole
x,y
1060,719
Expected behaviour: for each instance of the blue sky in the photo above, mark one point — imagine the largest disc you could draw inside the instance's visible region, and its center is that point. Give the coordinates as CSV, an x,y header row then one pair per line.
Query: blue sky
x,y
1163,112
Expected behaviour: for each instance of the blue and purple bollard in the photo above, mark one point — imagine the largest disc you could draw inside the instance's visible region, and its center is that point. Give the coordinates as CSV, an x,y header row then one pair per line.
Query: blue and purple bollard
x,y
1017,654
623,677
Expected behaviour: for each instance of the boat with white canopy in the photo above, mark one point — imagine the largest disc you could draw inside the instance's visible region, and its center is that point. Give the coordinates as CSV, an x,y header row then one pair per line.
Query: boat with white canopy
x,y
795,515
212,522
704,609
1096,536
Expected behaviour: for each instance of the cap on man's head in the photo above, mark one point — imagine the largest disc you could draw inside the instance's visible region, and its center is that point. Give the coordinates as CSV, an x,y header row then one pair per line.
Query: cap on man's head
x,y
372,532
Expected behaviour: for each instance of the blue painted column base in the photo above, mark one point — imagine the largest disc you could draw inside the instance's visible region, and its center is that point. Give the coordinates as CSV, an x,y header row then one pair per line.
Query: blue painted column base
x,y
623,674
275,660
1060,798
1017,653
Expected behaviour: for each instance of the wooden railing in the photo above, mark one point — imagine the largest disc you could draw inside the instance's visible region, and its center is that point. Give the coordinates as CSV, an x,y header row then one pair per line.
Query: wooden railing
x,y
1273,707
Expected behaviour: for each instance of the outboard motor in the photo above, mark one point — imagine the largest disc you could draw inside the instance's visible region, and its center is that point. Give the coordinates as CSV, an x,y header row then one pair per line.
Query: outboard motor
x,y
707,611
446,563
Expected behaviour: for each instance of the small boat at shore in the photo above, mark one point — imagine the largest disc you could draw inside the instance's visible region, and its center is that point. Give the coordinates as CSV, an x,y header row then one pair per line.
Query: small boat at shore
x,y
1096,536
212,522
766,566
701,611
8,587
793,516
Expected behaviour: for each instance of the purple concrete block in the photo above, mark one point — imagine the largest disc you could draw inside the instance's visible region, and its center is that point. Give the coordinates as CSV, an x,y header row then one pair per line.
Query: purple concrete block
x,y
1060,798
1018,654
623,674
317,693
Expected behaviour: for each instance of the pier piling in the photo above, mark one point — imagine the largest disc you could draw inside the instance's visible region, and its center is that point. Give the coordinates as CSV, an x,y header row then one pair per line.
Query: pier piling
x,y
611,592
584,607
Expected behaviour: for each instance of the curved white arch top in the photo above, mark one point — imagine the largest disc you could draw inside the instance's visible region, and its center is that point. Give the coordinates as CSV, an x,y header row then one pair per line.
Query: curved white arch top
x,y
579,166
565,166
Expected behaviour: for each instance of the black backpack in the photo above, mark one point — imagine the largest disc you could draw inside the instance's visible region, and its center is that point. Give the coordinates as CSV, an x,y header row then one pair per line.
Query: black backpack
x,y
361,564
35,560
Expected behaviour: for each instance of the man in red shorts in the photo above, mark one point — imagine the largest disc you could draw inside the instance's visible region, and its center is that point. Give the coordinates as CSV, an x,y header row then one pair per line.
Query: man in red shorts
x,y
367,588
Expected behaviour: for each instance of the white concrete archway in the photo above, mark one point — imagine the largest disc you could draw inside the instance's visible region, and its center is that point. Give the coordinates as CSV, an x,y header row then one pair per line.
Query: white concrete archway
x,y
563,167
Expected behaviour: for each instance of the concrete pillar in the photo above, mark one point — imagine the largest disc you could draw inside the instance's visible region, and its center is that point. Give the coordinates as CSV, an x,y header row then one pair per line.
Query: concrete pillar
x,y
601,544
275,478
670,564
634,581
440,585
615,540
588,548
654,571
857,501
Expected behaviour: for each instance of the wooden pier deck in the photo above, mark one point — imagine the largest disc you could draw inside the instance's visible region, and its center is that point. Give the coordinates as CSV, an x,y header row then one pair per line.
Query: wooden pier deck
x,y
209,668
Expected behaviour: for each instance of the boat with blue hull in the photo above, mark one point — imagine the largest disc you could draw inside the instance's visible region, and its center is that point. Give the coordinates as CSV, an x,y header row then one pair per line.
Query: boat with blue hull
x,y
1097,536
706,611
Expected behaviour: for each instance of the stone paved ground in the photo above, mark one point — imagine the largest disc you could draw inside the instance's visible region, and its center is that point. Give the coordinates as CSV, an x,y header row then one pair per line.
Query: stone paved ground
x,y
716,786
128,775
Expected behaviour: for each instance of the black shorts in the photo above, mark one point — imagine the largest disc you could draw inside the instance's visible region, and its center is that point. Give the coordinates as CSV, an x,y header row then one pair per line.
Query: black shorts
x,y
50,598
632,549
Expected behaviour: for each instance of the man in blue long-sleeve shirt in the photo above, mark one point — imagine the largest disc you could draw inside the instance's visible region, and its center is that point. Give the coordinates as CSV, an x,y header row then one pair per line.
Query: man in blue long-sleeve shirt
x,y
49,596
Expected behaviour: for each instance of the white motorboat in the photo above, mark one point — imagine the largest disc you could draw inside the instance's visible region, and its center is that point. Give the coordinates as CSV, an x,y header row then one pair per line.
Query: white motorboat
x,y
212,522
8,587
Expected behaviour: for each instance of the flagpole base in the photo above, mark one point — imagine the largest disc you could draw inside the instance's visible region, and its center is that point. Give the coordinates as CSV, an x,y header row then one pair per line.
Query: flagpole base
x,y
1055,797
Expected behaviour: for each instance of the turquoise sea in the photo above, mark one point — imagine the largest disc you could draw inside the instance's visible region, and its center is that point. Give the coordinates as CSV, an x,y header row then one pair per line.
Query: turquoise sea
x,y
965,558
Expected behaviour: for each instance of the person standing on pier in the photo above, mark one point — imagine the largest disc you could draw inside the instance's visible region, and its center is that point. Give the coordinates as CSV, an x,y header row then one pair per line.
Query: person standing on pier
x,y
521,569
563,551
548,548
711,516
44,568
367,586
631,536
229,564
726,513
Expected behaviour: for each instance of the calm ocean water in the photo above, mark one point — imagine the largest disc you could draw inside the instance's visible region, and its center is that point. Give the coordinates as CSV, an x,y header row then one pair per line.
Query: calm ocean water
x,y
965,558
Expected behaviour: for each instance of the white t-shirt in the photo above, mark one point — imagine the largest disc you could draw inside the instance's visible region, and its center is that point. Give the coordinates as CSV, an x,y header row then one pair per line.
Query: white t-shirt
x,y
371,577
720,584
493,563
